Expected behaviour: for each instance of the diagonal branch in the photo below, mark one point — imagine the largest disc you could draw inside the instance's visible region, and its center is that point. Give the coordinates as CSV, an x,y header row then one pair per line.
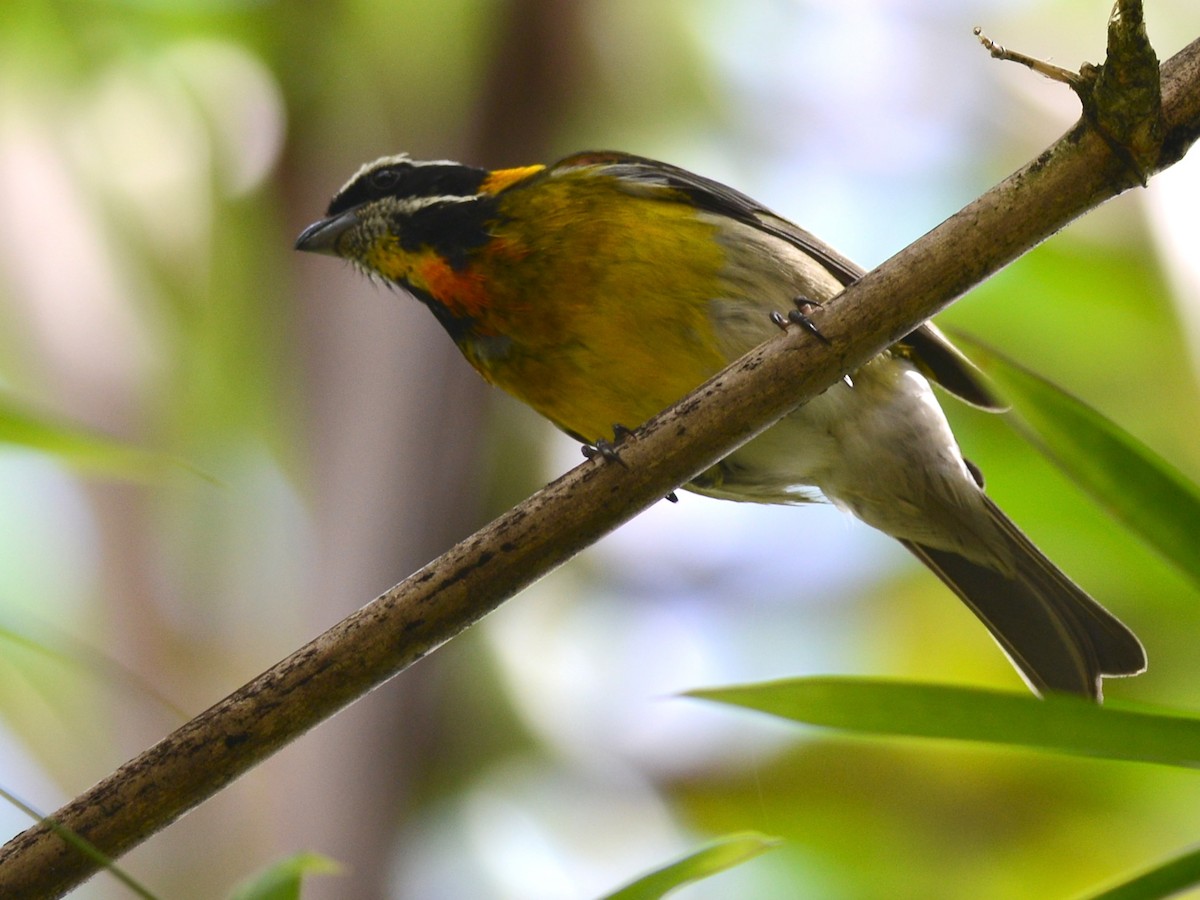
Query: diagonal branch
x,y
428,608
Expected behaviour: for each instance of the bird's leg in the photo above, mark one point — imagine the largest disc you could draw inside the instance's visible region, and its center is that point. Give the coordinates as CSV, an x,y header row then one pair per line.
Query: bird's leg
x,y
799,316
607,450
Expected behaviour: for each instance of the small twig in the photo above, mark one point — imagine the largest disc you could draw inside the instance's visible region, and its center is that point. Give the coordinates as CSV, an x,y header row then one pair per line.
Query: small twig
x,y
1051,71
1122,99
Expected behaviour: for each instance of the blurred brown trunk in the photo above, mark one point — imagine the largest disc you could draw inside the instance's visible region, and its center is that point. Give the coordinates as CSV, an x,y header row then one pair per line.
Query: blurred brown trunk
x,y
397,419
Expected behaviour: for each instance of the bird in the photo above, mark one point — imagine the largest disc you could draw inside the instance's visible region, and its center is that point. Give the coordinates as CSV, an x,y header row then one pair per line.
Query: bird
x,y
604,287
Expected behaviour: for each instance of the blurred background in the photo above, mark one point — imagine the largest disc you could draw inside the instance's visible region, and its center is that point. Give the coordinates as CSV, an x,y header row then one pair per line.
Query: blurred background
x,y
157,159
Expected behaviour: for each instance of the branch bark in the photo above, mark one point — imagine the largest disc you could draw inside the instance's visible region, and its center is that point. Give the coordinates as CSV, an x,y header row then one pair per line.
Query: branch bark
x,y
1077,173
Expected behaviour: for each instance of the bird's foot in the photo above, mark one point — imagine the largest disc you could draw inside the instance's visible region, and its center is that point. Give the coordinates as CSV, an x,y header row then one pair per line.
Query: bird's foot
x,y
608,450
800,316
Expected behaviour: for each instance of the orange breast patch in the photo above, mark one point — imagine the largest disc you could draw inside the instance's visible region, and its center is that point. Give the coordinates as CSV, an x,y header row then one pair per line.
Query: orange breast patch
x,y
463,293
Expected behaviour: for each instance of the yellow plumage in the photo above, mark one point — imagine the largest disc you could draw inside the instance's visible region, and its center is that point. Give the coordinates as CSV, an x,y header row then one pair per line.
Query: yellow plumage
x,y
579,345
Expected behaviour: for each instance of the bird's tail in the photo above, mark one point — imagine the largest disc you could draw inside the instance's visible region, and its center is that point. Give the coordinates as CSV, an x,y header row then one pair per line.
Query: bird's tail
x,y
1057,636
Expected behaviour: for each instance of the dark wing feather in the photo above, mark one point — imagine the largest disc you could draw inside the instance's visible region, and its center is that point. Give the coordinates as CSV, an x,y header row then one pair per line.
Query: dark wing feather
x,y
1053,631
927,347
943,363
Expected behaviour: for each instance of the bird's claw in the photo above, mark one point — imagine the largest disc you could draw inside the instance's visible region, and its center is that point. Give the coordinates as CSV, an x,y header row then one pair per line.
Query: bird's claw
x,y
799,316
607,450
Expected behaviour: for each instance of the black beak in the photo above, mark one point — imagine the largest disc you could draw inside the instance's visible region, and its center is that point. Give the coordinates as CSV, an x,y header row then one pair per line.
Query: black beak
x,y
325,235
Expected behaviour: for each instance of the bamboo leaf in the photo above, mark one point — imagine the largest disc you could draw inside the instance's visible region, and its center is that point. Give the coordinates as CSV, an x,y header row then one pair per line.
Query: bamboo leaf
x,y
83,846
283,880
716,857
1124,476
1058,723
81,448
1166,880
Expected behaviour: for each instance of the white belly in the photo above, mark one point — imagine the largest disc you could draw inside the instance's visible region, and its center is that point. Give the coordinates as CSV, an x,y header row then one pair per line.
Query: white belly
x,y
882,449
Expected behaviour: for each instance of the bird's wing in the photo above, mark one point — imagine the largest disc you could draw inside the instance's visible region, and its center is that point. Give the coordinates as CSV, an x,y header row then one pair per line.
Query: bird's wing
x,y
930,351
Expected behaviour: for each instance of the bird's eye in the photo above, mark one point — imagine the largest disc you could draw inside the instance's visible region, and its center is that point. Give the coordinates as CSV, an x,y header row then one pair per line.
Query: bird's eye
x,y
384,179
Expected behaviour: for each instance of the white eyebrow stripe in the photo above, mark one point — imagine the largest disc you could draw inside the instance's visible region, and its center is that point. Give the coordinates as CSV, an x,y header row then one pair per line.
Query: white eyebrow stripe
x,y
410,205
400,159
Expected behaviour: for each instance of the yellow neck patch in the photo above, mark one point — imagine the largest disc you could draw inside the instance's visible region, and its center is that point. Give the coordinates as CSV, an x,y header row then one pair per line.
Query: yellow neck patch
x,y
503,178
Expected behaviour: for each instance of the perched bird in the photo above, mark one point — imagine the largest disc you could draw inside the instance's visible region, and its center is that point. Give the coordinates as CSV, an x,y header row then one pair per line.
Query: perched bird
x,y
603,288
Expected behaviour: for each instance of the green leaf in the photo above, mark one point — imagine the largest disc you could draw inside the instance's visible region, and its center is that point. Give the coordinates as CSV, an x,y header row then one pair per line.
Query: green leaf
x,y
1138,487
716,857
85,847
87,661
281,881
1058,723
1167,880
76,446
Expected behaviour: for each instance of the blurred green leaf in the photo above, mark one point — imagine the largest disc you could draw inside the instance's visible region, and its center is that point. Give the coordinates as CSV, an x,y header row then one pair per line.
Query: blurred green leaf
x,y
87,848
716,857
87,661
1138,487
282,880
1166,880
1059,723
86,450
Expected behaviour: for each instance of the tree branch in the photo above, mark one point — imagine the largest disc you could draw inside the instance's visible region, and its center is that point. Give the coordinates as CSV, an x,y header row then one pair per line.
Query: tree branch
x,y
431,606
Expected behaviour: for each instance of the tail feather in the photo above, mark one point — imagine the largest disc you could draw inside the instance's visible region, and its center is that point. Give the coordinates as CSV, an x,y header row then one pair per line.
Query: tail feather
x,y
1057,636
